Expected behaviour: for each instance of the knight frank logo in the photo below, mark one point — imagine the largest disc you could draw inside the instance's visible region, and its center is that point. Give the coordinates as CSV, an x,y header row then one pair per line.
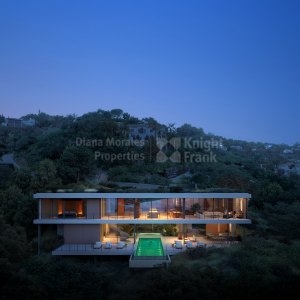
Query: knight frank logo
x,y
168,150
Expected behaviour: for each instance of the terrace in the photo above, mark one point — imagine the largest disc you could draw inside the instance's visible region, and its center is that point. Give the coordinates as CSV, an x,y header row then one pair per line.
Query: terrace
x,y
168,243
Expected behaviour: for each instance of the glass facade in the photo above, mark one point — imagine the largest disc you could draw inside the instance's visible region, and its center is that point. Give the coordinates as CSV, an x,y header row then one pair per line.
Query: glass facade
x,y
63,208
145,209
175,208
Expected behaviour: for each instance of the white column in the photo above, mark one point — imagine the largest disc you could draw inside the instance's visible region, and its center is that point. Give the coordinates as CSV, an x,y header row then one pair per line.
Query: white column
x,y
40,208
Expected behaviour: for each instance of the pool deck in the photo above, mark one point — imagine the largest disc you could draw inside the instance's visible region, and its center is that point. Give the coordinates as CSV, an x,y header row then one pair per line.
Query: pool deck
x,y
168,244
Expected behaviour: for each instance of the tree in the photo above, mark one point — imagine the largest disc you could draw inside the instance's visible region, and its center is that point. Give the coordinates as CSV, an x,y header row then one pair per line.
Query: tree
x,y
22,179
45,175
11,201
126,116
187,130
272,192
150,122
116,113
2,119
50,145
14,247
97,125
75,163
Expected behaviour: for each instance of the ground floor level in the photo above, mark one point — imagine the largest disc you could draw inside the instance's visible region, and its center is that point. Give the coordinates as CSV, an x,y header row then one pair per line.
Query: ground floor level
x,y
75,239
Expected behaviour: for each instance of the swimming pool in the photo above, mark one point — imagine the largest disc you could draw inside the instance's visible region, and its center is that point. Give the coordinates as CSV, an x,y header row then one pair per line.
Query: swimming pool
x,y
149,246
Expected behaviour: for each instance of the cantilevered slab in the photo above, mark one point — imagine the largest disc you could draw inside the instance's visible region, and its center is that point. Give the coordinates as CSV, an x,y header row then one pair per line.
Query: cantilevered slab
x,y
139,195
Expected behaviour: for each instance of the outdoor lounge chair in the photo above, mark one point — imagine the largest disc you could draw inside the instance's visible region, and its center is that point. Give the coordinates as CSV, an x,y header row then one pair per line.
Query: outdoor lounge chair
x,y
178,244
121,245
200,245
108,245
189,245
97,245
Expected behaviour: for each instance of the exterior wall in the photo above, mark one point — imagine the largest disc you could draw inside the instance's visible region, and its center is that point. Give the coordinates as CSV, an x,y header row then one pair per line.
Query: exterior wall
x,y
212,228
215,229
142,131
13,122
223,228
81,234
93,209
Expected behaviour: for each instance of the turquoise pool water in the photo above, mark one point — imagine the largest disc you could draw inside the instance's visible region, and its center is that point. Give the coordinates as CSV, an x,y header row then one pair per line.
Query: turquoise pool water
x,y
149,247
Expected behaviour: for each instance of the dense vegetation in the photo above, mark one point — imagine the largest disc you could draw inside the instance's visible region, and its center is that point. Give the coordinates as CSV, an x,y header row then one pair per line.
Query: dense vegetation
x,y
265,264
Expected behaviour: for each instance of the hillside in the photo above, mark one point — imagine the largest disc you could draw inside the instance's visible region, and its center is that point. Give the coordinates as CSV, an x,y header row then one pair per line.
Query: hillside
x,y
47,157
65,146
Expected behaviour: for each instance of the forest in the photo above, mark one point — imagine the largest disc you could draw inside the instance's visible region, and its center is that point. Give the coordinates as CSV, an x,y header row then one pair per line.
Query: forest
x,y
265,264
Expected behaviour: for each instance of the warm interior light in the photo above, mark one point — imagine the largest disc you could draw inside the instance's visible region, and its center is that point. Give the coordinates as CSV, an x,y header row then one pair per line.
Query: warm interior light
x,y
60,207
153,210
79,207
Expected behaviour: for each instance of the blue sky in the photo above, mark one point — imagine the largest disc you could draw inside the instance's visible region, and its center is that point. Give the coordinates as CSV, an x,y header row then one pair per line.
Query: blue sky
x,y
230,67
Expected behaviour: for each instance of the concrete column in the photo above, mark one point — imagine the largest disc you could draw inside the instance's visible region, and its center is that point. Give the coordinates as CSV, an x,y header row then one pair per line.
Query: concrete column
x,y
40,208
180,231
100,208
39,239
137,209
233,230
134,234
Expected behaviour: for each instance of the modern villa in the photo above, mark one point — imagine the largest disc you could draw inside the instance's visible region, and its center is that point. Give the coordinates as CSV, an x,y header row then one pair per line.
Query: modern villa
x,y
92,223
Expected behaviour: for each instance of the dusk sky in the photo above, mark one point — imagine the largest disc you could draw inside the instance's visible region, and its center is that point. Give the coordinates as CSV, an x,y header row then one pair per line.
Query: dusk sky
x,y
230,67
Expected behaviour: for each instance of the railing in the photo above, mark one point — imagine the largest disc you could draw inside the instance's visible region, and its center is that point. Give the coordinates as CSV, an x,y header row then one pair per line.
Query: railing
x,y
206,215
130,249
75,247
90,248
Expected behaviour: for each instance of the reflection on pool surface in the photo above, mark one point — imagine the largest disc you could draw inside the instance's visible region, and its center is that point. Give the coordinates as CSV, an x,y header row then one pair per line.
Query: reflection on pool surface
x,y
149,247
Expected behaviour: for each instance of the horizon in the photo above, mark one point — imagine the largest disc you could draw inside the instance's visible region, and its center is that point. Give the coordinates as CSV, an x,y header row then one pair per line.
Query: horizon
x,y
161,123
229,68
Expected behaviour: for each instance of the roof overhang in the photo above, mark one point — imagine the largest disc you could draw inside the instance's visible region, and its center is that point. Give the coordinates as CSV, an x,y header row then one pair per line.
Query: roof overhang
x,y
139,195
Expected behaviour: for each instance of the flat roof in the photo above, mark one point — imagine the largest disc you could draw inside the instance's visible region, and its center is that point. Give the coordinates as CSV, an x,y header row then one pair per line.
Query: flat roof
x,y
138,195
